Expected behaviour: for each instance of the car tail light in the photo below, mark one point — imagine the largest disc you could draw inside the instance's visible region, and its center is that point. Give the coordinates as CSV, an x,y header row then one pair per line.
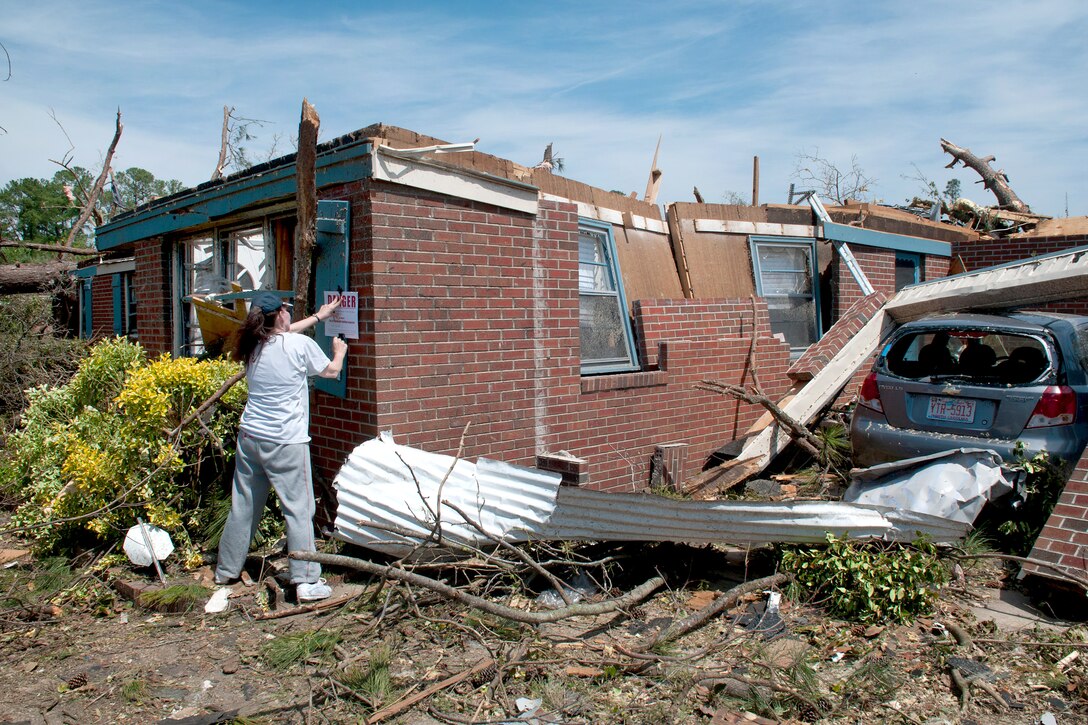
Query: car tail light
x,y
1058,406
870,394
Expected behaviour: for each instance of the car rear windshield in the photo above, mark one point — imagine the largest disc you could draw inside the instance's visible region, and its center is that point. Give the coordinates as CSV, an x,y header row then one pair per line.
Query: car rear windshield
x,y
981,357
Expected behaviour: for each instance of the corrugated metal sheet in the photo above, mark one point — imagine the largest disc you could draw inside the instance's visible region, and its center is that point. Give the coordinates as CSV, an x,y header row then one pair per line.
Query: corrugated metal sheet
x,y
388,485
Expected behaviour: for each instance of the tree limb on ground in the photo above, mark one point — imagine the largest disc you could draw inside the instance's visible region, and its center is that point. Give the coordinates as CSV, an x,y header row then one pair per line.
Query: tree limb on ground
x,y
725,601
227,385
995,181
306,202
517,615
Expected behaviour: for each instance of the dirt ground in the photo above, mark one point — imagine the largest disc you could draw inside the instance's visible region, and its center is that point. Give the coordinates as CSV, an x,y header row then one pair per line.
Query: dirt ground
x,y
393,654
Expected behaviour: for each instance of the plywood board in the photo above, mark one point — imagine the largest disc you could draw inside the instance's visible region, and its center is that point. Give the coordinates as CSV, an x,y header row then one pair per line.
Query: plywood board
x,y
720,265
647,266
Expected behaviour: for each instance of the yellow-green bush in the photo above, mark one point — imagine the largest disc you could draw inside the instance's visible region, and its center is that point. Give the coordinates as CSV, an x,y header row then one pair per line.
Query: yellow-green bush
x,y
94,454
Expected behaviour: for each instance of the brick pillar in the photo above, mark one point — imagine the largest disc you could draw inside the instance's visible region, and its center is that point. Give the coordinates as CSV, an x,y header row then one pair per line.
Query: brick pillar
x,y
1064,539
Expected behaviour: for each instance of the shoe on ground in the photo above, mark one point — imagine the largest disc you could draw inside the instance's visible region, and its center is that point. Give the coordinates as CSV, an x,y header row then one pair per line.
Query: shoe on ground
x,y
221,581
313,591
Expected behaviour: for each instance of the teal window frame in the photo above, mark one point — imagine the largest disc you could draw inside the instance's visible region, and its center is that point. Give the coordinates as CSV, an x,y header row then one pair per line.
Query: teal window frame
x,y
222,265
603,271
124,305
915,259
758,270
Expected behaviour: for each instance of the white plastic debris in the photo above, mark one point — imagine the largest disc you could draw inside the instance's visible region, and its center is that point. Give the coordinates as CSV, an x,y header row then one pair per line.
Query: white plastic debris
x,y
218,602
954,485
136,548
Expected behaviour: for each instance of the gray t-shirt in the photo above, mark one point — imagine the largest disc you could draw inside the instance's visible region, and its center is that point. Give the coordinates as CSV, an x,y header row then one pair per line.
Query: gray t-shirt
x,y
278,408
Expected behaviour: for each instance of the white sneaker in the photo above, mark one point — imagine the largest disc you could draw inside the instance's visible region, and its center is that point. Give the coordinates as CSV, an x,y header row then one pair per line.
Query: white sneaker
x,y
313,591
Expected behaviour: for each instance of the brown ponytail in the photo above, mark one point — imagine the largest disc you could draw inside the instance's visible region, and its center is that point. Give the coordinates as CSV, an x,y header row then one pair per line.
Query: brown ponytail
x,y
254,332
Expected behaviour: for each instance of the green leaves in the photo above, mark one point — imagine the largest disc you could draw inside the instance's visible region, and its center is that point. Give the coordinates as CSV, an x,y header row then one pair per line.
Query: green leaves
x,y
94,451
868,581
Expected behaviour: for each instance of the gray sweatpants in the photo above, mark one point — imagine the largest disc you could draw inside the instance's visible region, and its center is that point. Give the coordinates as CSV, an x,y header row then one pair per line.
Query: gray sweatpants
x,y
285,467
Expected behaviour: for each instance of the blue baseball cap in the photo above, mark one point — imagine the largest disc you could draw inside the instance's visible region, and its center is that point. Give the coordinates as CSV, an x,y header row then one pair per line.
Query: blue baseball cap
x,y
268,302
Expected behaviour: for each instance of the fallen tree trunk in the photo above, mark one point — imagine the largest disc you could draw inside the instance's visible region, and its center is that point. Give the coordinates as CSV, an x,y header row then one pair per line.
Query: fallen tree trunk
x,y
23,278
996,181
59,248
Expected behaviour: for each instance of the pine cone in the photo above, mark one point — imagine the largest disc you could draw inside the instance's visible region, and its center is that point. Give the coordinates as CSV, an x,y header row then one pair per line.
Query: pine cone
x,y
78,681
484,676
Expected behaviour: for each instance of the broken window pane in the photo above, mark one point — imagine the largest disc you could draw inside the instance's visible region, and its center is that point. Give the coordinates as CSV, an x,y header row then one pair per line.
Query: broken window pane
x,y
605,331
249,259
978,357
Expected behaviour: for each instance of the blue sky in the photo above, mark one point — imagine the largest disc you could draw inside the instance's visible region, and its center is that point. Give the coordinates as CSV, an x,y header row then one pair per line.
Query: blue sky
x,y
719,81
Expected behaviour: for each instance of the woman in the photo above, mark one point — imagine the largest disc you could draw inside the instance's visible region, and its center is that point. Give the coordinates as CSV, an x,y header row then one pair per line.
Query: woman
x,y
274,436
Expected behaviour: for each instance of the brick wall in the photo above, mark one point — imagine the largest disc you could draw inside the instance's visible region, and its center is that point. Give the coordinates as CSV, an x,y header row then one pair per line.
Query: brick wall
x,y
657,321
878,266
990,252
936,267
154,310
1064,539
102,306
471,318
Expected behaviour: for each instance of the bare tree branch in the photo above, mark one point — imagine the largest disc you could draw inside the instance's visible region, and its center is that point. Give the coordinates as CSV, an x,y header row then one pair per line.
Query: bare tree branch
x,y
831,182
92,196
517,615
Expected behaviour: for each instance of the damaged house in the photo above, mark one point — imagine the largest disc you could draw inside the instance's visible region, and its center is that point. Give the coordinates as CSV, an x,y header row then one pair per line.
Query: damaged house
x,y
539,320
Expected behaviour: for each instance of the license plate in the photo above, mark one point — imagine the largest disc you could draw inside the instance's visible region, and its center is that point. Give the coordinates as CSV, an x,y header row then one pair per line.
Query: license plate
x,y
956,410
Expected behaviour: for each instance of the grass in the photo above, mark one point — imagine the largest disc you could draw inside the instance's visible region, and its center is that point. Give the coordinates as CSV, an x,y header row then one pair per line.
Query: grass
x,y
290,649
373,682
176,598
135,690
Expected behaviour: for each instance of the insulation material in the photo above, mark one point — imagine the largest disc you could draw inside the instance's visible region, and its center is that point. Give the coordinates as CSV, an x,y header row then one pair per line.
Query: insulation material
x,y
384,486
954,484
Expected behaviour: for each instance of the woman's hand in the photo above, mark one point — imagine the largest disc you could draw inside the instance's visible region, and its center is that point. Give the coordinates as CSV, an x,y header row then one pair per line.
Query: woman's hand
x,y
329,308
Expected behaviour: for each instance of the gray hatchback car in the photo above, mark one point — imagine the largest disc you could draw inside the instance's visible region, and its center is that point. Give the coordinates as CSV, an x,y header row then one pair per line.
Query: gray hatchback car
x,y
976,381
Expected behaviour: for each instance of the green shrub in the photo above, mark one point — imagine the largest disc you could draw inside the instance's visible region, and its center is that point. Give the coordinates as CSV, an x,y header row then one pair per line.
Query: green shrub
x,y
868,581
94,454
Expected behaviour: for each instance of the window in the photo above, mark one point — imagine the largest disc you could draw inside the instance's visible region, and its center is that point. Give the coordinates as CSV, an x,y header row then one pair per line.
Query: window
x,y
219,262
124,305
605,327
86,330
908,266
784,271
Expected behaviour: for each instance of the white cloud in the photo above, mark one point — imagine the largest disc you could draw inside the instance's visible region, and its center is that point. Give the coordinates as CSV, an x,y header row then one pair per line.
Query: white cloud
x,y
723,81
